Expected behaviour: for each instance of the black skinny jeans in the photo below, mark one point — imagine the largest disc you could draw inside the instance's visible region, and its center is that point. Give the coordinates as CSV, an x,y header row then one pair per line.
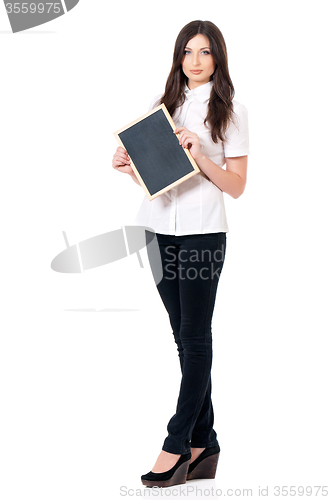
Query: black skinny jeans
x,y
191,269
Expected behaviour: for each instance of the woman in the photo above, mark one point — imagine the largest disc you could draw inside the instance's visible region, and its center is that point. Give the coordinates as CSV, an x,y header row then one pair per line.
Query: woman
x,y
190,225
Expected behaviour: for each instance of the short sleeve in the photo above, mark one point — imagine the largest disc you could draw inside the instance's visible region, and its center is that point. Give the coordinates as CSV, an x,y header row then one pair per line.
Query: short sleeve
x,y
237,134
155,102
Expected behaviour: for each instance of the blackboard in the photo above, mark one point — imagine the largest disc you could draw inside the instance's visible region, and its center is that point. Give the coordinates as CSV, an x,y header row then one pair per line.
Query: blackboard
x,y
157,158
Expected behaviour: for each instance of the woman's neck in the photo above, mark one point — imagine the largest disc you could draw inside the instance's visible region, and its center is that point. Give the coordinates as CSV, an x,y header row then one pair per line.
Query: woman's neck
x,y
194,85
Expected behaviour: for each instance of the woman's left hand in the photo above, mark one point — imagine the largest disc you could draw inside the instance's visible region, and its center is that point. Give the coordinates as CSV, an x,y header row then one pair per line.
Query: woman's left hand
x,y
190,141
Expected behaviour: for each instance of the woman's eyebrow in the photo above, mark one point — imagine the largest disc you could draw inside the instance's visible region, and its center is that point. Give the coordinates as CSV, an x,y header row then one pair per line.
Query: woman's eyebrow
x,y
199,49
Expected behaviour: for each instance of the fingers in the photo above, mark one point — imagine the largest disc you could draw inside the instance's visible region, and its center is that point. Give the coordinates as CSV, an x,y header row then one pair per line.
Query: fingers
x,y
124,158
184,140
120,158
186,137
122,153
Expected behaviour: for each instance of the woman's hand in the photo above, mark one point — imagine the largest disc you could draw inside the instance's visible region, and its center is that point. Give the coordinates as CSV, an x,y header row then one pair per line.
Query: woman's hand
x,y
121,161
190,141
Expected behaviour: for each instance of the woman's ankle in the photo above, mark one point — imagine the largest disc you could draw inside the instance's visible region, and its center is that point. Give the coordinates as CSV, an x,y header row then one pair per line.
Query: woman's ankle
x,y
195,452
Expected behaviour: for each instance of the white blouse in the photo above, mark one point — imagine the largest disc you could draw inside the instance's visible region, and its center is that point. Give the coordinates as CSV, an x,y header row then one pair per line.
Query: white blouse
x,y
196,206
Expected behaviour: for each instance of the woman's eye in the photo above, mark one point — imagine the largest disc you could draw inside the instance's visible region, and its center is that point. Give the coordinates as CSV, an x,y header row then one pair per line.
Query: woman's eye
x,y
204,52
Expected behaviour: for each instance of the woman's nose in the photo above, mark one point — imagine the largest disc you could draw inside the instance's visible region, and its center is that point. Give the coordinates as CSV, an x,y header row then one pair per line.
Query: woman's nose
x,y
196,60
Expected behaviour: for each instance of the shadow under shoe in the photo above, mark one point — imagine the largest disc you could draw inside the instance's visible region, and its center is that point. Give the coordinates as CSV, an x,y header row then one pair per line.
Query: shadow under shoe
x,y
176,475
205,465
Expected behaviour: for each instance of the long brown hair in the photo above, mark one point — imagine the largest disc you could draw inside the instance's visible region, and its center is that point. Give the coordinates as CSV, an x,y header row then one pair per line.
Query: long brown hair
x,y
220,106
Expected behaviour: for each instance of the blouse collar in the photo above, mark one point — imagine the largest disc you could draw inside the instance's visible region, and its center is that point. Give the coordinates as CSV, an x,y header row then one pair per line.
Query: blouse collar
x,y
202,93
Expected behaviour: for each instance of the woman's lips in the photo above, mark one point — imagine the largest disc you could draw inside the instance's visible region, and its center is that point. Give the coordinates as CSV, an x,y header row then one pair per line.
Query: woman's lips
x,y
195,71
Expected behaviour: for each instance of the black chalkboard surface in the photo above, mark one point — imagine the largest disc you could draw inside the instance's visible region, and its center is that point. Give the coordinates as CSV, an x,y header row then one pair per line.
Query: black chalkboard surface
x,y
157,158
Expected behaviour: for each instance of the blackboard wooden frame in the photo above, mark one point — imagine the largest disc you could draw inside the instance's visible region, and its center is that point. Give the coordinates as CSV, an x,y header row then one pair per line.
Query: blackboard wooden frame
x,y
157,158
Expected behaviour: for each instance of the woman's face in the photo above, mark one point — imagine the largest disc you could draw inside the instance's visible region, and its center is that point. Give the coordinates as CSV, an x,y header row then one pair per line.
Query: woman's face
x,y
198,64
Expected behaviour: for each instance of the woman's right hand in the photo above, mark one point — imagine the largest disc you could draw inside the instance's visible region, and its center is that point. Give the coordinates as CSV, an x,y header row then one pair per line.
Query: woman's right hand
x,y
121,161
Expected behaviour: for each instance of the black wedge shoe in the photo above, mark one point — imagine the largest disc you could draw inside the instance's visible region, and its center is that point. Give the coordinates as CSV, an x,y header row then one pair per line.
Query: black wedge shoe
x,y
176,475
205,465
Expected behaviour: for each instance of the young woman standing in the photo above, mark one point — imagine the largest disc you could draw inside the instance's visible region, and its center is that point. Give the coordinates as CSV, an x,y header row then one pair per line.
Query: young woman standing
x,y
190,225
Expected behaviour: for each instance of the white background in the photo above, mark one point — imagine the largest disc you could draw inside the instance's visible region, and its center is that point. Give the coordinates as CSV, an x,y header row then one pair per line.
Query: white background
x,y
86,395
